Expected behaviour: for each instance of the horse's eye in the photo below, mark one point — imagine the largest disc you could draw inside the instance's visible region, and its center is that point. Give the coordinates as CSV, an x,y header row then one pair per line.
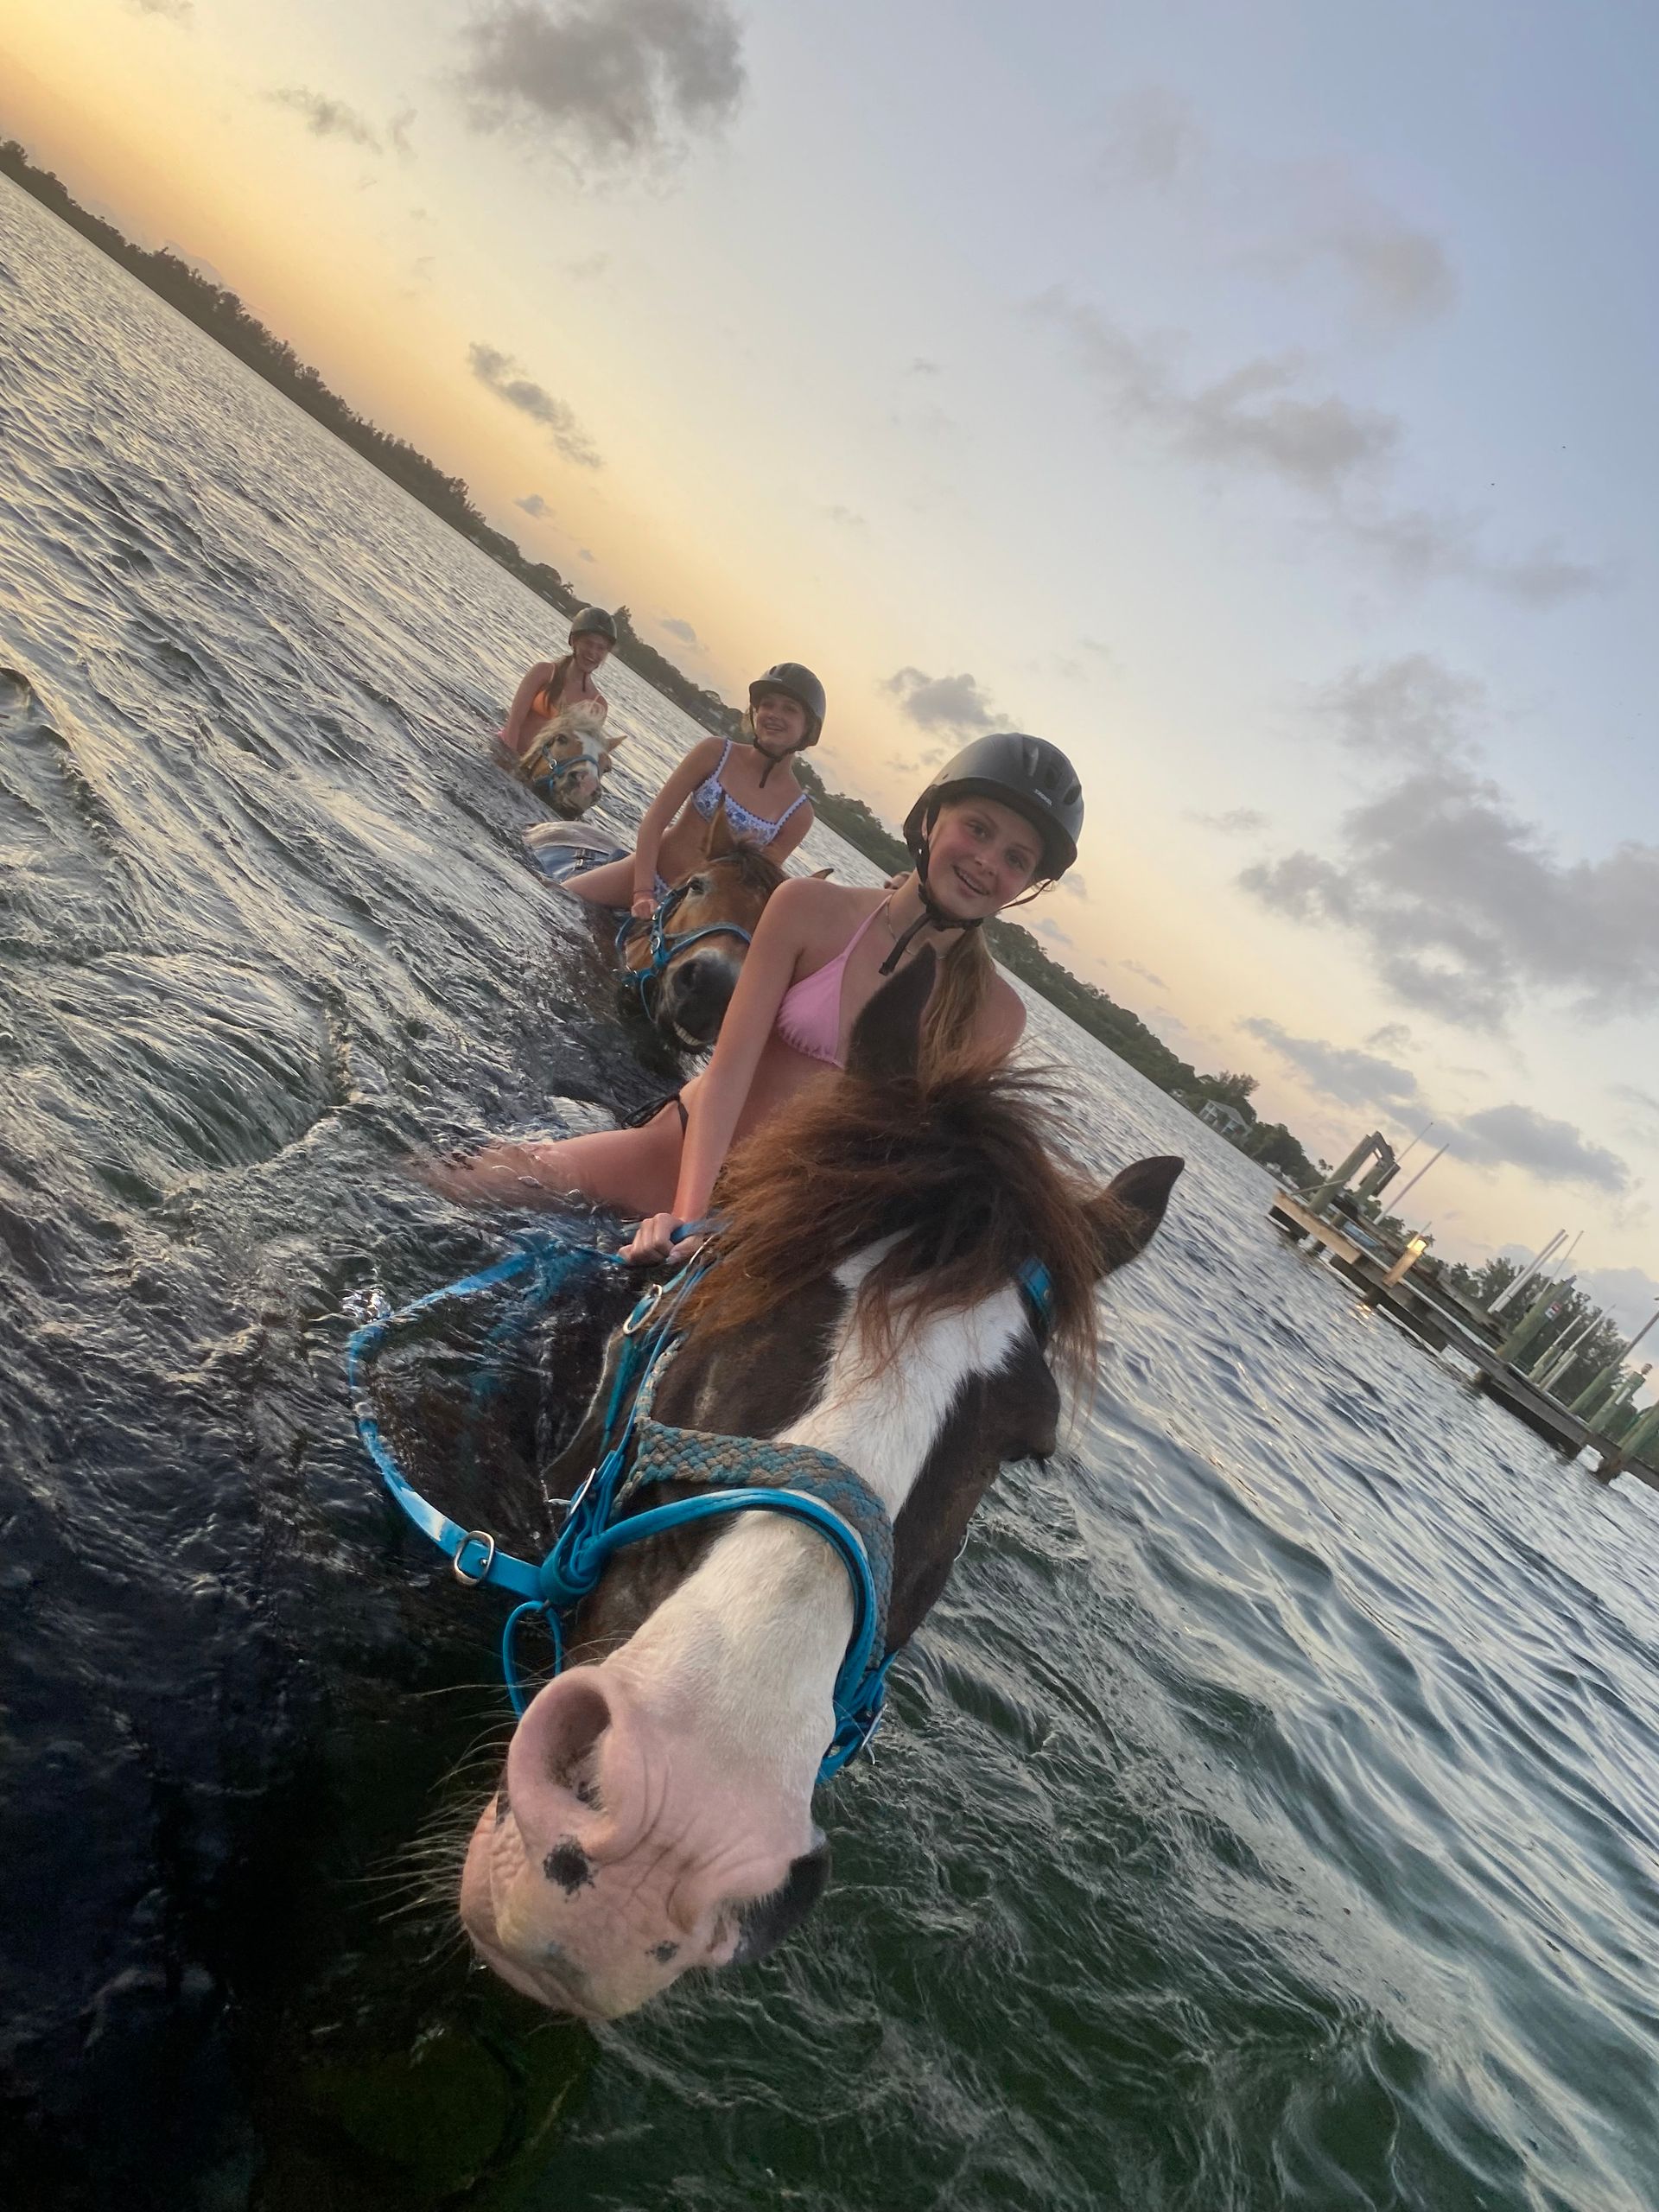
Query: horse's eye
x,y
697,886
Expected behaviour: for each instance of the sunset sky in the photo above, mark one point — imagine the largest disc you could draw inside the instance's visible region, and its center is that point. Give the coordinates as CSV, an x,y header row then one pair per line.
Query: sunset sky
x,y
1258,402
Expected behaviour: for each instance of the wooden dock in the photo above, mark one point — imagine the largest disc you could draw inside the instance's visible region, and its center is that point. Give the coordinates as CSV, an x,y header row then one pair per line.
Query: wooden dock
x,y
1444,1327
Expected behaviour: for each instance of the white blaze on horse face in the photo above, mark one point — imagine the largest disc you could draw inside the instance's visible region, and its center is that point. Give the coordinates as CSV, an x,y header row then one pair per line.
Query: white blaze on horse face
x,y
653,1796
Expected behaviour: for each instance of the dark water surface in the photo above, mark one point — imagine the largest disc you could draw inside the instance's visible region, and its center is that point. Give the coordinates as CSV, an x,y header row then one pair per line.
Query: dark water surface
x,y
1267,1816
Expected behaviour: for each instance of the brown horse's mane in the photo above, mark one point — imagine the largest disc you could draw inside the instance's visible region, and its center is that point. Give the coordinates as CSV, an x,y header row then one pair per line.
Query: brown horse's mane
x,y
754,870
955,1167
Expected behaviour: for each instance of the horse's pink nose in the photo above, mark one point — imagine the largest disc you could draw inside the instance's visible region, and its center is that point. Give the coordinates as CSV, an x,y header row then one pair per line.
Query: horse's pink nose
x,y
572,1777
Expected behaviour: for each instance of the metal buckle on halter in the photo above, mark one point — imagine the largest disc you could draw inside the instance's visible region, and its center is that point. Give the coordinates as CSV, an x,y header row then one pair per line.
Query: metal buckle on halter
x,y
465,1574
643,1312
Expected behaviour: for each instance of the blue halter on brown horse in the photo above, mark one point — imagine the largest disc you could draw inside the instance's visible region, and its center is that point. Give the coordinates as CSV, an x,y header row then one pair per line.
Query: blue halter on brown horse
x,y
866,1322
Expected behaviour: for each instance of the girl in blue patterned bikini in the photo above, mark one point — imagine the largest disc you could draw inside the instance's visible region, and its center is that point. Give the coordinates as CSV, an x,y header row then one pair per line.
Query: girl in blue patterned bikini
x,y
764,805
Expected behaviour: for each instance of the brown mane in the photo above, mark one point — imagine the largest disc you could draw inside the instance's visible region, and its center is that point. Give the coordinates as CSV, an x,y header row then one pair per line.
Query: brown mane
x,y
955,1166
754,870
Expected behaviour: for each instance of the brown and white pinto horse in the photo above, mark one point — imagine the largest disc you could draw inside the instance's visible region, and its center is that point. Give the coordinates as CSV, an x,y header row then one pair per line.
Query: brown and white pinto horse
x,y
656,1810
692,953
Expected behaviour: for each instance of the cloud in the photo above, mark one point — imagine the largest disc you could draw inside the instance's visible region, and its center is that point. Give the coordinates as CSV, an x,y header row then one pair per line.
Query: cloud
x,y
1399,275
1464,906
953,703
1146,975
176,11
1154,141
324,118
1392,1037
1342,1073
1251,418
399,131
1498,1136
497,371
846,518
587,267
584,555
534,504
1628,1295
919,367
677,628
1237,821
1555,1152
1334,454
614,82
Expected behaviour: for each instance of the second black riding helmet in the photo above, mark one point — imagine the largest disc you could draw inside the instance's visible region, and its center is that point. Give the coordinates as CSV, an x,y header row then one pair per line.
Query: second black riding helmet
x,y
1026,773
800,684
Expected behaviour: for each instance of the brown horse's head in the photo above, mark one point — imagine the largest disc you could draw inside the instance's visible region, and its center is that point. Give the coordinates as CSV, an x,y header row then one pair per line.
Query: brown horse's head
x,y
704,928
567,761
656,1810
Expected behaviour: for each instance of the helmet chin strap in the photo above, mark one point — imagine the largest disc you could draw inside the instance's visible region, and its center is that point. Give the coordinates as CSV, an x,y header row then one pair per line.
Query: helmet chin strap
x,y
931,912
777,759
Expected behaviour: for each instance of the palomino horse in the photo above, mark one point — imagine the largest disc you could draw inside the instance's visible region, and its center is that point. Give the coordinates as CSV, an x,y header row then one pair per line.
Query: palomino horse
x,y
567,759
656,1810
685,962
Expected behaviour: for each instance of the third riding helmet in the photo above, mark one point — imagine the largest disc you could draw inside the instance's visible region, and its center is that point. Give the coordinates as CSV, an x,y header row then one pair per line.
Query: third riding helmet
x,y
800,684
595,620
1026,773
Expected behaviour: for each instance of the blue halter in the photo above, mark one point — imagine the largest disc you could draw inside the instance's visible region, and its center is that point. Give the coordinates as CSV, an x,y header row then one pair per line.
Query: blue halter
x,y
738,1475
666,945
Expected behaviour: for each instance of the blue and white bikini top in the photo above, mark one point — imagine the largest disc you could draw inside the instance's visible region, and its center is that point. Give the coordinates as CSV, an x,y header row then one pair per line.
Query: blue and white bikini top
x,y
710,791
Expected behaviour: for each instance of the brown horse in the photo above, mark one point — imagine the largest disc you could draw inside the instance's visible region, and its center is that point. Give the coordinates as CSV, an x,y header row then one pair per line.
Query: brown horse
x,y
685,961
656,1810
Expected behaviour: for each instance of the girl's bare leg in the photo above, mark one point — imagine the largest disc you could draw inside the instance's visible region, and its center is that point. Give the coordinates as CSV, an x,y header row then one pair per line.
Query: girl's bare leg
x,y
634,1170
610,886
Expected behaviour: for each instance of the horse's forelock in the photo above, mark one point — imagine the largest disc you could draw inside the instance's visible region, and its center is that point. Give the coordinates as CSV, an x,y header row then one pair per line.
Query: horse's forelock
x,y
951,1175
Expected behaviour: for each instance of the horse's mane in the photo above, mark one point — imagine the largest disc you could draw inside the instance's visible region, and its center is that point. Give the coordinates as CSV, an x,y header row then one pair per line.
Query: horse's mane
x,y
754,871
953,1169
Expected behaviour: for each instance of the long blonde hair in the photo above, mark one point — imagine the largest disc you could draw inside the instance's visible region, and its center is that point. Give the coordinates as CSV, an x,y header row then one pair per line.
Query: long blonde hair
x,y
960,997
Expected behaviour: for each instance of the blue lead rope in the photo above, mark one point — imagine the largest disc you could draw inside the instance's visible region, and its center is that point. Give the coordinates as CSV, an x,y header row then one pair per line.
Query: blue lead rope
x,y
592,1534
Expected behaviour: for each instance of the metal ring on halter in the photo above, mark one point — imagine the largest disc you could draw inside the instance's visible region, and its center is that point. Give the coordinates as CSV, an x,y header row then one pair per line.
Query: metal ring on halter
x,y
465,1574
643,1312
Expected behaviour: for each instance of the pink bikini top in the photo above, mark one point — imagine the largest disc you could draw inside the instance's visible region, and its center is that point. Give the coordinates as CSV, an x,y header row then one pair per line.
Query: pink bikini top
x,y
808,1014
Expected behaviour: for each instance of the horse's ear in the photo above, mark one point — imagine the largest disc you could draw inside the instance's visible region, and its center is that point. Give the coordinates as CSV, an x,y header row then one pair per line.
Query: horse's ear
x,y
720,841
821,875
886,1038
1126,1214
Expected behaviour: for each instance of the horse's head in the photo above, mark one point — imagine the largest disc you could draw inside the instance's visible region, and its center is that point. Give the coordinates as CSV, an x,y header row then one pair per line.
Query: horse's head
x,y
566,762
656,1811
692,953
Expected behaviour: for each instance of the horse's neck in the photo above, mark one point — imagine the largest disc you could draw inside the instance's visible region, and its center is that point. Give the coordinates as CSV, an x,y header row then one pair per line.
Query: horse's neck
x,y
755,1634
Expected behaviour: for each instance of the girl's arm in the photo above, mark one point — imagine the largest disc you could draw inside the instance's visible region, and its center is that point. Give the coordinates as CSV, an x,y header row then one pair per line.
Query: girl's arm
x,y
655,820
512,730
713,1110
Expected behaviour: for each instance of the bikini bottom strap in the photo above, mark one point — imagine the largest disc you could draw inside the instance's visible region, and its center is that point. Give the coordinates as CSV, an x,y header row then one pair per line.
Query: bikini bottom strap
x,y
650,1113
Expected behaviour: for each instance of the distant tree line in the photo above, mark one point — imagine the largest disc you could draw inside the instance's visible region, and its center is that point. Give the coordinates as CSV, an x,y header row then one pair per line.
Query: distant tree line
x,y
222,315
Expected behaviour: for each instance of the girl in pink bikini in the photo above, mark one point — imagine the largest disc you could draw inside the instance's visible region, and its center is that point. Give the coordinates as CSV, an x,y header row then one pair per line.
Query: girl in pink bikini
x,y
764,805
996,823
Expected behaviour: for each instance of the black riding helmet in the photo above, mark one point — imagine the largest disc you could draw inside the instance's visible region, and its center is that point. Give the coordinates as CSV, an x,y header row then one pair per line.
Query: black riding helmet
x,y
1026,773
802,686
593,618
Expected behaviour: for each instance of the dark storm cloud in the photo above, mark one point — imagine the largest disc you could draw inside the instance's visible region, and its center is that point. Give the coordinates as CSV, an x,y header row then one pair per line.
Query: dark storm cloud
x,y
498,371
1464,906
326,118
614,82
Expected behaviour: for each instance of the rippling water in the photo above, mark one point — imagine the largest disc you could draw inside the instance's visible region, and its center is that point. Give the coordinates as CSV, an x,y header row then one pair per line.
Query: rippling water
x,y
1266,1816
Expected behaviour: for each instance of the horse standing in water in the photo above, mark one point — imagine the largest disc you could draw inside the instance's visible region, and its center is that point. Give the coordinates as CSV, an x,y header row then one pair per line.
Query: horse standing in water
x,y
656,1810
685,961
